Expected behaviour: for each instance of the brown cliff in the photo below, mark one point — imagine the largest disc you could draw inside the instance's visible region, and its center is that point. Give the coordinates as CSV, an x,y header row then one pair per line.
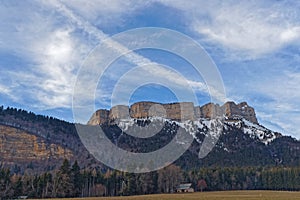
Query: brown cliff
x,y
99,117
242,109
210,110
174,111
119,112
141,109
19,146
180,111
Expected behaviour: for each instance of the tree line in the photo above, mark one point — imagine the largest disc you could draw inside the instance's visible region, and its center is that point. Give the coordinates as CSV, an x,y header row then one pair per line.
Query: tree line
x,y
71,181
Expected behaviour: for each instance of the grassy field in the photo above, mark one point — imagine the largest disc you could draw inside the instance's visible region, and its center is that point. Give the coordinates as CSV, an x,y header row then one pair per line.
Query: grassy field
x,y
228,195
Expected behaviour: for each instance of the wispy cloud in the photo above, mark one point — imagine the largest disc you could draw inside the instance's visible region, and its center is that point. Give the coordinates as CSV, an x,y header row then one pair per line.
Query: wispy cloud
x,y
51,54
104,12
249,29
258,39
286,90
4,89
132,57
57,42
281,111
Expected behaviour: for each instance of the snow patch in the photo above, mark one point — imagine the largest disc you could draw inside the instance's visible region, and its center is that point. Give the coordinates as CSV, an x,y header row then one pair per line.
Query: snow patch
x,y
264,135
213,127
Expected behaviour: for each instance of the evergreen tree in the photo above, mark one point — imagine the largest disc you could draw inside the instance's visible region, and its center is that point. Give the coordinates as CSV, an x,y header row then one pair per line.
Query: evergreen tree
x,y
76,179
64,180
5,183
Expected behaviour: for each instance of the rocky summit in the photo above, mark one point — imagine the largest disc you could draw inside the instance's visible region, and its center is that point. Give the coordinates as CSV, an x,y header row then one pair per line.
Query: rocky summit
x,y
174,111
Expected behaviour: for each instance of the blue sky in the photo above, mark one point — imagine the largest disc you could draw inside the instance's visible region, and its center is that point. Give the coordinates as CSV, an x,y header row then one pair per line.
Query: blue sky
x,y
255,45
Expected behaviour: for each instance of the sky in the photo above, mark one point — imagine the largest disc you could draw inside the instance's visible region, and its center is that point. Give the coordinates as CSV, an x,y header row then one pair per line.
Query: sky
x,y
255,46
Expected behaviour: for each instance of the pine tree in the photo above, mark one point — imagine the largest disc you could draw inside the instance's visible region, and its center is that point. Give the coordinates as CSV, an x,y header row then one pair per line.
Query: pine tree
x,y
64,179
76,179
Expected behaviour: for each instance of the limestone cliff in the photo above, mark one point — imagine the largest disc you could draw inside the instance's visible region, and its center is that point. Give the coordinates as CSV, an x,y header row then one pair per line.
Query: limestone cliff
x,y
17,146
100,117
35,143
209,110
242,109
174,111
180,111
119,111
141,109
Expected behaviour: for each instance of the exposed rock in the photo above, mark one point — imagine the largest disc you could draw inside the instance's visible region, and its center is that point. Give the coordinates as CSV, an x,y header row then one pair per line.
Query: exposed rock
x,y
197,112
157,110
180,111
99,117
174,111
119,112
141,109
17,146
211,110
37,143
242,109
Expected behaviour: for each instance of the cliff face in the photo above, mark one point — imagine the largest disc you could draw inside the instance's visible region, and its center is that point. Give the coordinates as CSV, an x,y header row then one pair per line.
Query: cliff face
x,y
119,112
99,117
180,111
141,109
210,110
32,143
242,109
229,109
174,111
19,146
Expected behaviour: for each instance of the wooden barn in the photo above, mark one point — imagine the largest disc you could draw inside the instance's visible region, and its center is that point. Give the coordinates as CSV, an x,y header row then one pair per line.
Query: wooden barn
x,y
186,187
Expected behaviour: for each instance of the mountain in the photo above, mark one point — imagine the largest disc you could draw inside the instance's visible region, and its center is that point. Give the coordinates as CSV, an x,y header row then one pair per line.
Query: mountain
x,y
195,119
33,143
241,140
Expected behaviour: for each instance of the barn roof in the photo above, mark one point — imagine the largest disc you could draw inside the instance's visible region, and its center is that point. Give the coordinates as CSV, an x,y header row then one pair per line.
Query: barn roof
x,y
184,186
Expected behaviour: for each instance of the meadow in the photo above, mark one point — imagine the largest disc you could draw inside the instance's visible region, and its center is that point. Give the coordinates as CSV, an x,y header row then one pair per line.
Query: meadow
x,y
227,195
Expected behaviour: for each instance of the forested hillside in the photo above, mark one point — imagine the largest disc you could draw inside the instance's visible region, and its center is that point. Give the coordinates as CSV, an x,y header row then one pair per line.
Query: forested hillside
x,y
43,157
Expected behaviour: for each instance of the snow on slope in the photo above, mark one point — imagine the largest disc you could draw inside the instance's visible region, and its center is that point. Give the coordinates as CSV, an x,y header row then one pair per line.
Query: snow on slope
x,y
213,127
254,130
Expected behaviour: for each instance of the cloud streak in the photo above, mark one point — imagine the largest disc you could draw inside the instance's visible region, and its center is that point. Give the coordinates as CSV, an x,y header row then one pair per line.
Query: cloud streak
x,y
249,29
132,57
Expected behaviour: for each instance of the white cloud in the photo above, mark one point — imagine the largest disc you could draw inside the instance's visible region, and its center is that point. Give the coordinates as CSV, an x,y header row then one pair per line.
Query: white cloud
x,y
104,11
4,90
249,28
51,54
284,88
290,34
284,109
58,68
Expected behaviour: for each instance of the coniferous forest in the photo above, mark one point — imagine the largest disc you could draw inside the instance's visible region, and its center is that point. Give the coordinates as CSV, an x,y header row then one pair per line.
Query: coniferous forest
x,y
71,181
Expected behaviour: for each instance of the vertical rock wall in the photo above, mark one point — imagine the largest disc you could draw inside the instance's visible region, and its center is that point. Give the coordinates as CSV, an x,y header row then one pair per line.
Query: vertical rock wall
x,y
174,111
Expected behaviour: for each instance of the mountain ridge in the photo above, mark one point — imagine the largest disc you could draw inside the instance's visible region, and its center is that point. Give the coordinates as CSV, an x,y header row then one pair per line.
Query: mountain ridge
x,y
240,142
178,111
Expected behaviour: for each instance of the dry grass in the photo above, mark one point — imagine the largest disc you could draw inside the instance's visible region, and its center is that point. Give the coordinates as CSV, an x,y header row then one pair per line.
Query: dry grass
x,y
228,195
